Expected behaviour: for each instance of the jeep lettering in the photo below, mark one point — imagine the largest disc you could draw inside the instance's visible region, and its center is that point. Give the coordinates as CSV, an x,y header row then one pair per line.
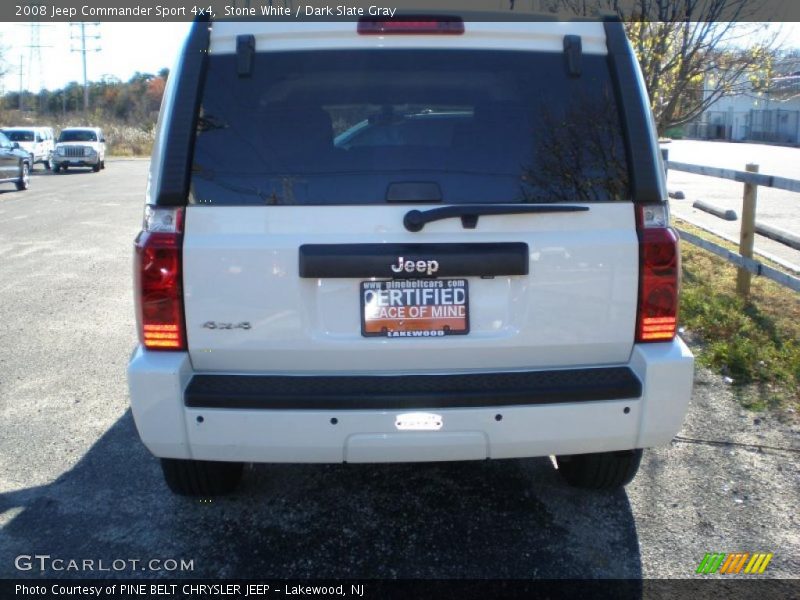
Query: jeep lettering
x,y
428,267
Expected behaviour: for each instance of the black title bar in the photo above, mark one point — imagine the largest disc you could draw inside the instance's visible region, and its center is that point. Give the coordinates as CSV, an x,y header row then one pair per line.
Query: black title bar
x,y
327,10
418,589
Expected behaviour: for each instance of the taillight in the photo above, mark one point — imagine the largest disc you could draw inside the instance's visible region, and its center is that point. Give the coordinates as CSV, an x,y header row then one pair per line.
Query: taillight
x,y
158,274
412,25
659,275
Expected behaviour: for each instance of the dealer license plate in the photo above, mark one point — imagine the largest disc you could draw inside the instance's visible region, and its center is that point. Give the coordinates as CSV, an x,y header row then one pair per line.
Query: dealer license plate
x,y
415,308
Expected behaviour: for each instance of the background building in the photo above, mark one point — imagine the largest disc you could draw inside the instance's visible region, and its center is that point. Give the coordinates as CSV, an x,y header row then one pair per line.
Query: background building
x,y
768,115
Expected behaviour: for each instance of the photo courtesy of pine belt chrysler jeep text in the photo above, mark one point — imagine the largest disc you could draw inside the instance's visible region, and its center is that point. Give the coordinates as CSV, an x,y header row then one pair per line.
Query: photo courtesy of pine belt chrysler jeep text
x,y
416,239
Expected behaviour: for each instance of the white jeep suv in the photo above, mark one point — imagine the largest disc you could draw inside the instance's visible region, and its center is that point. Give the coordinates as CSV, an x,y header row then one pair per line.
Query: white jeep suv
x,y
36,141
80,147
424,239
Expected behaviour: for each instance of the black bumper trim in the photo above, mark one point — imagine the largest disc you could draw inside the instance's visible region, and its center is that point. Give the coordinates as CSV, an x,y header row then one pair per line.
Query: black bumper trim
x,y
402,392
74,163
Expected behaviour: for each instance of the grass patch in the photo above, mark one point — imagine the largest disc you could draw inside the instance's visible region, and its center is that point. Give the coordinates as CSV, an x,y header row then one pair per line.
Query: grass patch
x,y
755,342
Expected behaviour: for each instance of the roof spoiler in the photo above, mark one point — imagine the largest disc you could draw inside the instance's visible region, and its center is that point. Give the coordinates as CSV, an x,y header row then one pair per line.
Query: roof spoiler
x,y
648,183
174,145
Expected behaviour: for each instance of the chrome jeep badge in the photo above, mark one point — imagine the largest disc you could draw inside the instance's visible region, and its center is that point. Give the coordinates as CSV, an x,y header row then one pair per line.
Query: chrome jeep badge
x,y
428,267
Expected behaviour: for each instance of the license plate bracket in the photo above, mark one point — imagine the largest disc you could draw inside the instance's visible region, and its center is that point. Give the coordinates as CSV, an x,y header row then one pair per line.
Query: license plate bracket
x,y
404,308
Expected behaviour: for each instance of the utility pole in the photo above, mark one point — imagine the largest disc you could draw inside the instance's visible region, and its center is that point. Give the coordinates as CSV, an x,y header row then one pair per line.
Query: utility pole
x,y
82,37
85,78
21,76
35,59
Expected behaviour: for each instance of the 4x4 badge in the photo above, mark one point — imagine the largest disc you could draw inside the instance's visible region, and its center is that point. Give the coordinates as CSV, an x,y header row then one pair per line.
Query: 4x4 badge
x,y
215,325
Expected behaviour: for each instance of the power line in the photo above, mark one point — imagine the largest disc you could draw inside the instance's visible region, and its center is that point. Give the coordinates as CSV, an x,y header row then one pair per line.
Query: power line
x,y
759,447
34,59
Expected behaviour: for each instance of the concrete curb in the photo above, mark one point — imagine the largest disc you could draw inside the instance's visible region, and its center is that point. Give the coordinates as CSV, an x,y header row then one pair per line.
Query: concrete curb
x,y
779,235
789,266
727,214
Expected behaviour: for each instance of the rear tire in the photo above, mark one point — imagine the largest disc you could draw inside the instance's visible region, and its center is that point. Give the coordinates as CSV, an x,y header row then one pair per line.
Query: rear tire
x,y
31,162
56,168
24,179
96,168
201,477
601,471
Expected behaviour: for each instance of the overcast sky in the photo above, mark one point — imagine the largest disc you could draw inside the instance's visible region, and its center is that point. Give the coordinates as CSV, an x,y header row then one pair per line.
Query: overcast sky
x,y
124,49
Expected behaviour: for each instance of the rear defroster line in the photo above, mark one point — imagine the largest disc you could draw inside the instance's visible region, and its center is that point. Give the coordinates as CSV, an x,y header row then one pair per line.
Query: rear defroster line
x,y
415,220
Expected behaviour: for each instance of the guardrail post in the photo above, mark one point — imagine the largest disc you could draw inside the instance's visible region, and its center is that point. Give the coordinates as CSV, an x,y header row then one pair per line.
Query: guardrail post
x,y
748,232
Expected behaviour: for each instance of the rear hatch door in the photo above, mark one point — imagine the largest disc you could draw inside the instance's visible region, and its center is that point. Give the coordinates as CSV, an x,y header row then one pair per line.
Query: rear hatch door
x,y
303,250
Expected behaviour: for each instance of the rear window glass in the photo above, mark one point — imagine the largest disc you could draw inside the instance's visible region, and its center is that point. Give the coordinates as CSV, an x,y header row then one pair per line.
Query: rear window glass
x,y
348,127
77,136
19,136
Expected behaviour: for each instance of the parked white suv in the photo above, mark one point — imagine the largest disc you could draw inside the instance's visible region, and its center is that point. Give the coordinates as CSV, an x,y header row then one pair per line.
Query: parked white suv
x,y
80,147
421,240
36,141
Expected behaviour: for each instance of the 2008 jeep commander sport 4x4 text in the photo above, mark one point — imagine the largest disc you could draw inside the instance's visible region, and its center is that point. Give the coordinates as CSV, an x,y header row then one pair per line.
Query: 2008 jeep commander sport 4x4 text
x,y
422,239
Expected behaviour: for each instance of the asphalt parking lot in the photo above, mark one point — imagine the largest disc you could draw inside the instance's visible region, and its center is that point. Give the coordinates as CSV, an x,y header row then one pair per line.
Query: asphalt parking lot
x,y
76,483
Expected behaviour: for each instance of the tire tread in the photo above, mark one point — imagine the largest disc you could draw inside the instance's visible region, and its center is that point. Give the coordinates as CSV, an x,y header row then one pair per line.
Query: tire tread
x,y
601,471
201,477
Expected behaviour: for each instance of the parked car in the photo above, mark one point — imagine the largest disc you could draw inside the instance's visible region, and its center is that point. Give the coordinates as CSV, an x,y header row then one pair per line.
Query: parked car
x,y
15,164
417,240
80,147
36,141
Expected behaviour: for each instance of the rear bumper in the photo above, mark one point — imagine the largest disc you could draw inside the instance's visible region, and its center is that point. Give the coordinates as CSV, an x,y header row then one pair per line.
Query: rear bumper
x,y
181,414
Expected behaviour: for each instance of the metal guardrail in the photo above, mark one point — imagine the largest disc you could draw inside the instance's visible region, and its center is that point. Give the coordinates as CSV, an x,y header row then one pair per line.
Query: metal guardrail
x,y
747,266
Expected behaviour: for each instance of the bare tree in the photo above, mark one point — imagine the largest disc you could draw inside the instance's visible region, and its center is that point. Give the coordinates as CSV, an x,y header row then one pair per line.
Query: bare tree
x,y
692,52
3,63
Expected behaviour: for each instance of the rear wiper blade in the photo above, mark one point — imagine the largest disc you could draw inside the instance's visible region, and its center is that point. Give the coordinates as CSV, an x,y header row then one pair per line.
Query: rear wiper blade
x,y
415,220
